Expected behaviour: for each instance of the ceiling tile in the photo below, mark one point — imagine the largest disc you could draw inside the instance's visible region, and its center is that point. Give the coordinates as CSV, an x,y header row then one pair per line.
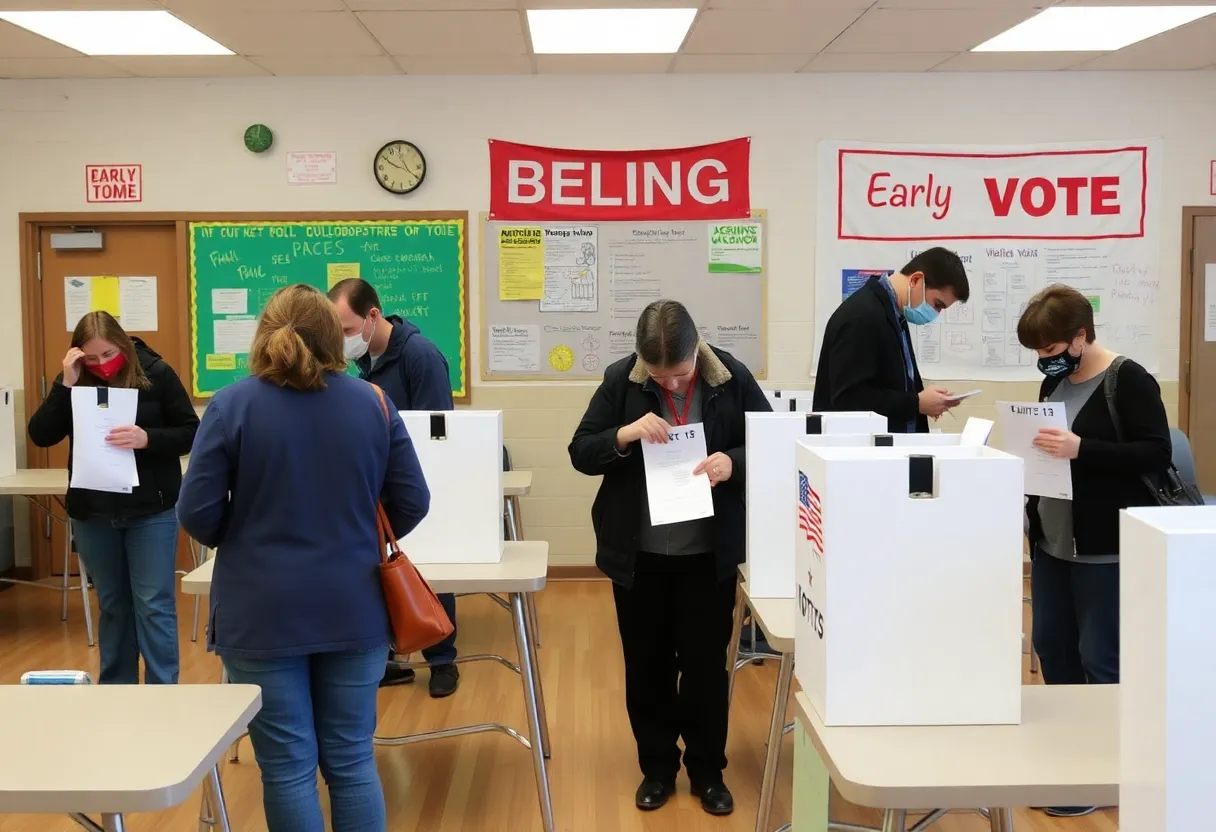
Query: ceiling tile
x,y
1013,61
303,34
1188,47
16,42
740,63
882,62
195,6
440,33
733,32
187,66
974,5
466,64
328,67
931,30
602,64
431,5
79,67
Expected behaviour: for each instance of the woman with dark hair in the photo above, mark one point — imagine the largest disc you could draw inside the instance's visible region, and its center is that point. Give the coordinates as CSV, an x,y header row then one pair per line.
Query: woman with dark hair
x,y
127,542
674,585
284,479
1074,544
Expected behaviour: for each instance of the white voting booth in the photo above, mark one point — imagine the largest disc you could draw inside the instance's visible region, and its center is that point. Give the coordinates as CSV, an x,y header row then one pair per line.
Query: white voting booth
x,y
908,564
8,432
1167,669
780,400
771,501
461,457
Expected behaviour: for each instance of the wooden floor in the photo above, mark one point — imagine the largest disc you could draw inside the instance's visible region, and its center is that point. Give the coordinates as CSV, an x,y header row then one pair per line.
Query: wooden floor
x,y
483,783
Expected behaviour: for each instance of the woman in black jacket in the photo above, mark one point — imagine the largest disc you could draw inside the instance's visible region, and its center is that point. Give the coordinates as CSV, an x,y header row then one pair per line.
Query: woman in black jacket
x,y
674,585
127,542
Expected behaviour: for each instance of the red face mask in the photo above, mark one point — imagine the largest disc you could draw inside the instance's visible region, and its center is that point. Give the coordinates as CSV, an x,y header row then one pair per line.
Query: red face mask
x,y
106,370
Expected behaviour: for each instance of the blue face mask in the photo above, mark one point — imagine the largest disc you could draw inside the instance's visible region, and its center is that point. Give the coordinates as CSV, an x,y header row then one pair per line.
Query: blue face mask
x,y
919,315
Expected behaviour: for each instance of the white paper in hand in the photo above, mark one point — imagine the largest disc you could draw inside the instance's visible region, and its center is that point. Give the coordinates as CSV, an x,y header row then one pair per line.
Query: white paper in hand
x,y
675,494
96,465
1046,475
975,432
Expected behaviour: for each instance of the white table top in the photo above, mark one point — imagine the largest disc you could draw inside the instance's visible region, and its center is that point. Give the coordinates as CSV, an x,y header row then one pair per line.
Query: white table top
x,y
523,568
775,617
115,748
516,483
1065,753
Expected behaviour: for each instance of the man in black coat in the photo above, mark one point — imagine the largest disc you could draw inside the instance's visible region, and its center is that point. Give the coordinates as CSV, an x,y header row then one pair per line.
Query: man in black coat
x,y
866,360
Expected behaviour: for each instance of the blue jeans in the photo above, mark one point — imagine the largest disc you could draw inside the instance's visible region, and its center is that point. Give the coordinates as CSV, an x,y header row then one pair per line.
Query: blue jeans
x,y
1076,620
132,565
318,709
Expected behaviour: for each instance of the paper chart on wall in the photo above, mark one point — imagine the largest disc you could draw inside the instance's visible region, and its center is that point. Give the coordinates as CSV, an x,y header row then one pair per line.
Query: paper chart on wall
x,y
131,300
1020,218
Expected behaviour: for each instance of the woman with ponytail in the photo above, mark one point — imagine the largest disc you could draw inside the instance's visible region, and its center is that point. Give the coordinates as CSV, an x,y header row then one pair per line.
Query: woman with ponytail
x,y
284,478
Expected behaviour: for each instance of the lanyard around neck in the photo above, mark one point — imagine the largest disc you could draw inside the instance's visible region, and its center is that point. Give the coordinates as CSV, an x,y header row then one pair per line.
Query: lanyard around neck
x,y
681,418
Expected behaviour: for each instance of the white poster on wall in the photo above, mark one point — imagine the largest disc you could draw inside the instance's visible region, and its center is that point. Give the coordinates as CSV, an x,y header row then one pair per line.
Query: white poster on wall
x,y
1021,218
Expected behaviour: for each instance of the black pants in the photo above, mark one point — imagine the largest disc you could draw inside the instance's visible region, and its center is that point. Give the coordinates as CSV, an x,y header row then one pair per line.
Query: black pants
x,y
1075,606
675,625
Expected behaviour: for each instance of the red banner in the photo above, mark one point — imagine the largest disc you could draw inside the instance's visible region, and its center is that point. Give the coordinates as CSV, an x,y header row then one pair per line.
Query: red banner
x,y
709,182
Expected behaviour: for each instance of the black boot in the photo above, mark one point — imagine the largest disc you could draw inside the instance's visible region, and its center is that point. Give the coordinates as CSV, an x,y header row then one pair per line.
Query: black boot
x,y
653,794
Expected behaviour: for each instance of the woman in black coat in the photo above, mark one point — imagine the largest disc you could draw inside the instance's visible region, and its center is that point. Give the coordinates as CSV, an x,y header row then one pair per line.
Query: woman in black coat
x,y
674,584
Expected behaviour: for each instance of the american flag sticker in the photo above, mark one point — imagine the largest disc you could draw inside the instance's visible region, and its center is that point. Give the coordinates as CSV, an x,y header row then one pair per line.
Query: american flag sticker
x,y
810,513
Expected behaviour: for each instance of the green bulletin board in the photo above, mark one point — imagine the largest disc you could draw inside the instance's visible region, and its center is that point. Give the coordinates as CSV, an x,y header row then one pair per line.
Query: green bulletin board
x,y
418,266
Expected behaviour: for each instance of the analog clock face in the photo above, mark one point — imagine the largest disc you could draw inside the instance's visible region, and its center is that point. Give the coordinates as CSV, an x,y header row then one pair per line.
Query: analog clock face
x,y
400,167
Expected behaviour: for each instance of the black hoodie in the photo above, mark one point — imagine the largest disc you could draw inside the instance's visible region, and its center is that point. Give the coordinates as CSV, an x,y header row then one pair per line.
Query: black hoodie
x,y
166,414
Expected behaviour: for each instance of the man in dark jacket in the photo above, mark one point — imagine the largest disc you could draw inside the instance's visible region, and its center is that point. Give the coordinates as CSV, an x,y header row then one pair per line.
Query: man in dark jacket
x,y
866,360
394,355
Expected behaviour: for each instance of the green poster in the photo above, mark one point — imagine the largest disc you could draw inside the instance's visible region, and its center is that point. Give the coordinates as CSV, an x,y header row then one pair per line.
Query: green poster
x,y
811,785
735,248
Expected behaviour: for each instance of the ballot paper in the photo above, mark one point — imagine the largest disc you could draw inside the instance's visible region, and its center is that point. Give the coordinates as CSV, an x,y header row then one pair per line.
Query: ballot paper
x,y
96,465
975,432
1046,476
675,494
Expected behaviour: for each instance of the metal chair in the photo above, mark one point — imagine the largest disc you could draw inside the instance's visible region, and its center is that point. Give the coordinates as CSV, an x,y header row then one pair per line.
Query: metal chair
x,y
1184,461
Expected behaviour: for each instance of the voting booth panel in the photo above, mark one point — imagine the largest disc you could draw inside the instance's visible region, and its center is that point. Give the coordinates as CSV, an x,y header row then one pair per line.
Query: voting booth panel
x,y
461,457
771,439
779,399
8,432
909,578
1167,668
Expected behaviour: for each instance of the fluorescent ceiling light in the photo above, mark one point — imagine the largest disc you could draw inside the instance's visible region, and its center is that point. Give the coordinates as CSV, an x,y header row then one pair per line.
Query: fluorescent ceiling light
x,y
1092,28
118,33
608,31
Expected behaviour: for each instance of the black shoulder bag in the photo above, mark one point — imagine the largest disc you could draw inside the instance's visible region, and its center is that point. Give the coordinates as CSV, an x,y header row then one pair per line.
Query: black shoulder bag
x,y
1171,490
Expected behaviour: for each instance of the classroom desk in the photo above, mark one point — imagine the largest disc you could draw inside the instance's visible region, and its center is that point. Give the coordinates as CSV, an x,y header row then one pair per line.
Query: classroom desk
x,y
156,744
521,573
775,617
1065,753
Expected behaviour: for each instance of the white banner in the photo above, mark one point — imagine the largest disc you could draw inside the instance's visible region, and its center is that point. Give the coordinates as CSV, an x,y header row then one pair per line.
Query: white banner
x,y
1021,219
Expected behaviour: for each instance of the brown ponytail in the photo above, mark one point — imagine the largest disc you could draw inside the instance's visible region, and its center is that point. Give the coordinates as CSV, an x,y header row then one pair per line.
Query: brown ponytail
x,y
298,340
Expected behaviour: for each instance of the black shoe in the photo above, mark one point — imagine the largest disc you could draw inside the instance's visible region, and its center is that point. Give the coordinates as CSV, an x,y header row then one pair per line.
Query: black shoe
x,y
445,678
396,676
653,794
715,798
1069,811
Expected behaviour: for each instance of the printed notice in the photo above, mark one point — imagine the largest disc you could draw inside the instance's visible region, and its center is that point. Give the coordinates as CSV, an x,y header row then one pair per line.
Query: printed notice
x,y
514,349
571,269
335,273
131,300
77,299
735,248
137,304
521,263
105,297
1046,475
675,494
235,335
1209,302
230,301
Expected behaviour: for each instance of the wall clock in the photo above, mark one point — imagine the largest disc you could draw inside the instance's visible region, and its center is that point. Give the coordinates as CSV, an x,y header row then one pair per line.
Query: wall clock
x,y
399,167
258,138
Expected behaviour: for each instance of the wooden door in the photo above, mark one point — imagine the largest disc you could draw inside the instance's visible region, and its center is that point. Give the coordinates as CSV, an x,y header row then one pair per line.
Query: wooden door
x,y
1200,371
129,251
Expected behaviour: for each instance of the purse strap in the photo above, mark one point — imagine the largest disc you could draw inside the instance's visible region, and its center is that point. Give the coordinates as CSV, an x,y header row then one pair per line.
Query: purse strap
x,y
1110,386
389,550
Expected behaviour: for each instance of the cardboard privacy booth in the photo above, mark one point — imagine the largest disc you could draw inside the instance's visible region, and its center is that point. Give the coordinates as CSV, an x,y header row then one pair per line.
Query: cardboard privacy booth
x,y
8,432
1167,672
908,564
461,456
771,438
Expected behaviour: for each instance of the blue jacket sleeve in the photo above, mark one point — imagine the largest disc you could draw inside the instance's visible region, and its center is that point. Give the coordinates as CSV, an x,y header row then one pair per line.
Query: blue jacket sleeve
x,y
405,495
426,377
202,505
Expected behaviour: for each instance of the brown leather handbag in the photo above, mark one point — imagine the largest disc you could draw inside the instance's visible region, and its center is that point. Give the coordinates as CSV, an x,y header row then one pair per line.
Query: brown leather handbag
x,y
417,618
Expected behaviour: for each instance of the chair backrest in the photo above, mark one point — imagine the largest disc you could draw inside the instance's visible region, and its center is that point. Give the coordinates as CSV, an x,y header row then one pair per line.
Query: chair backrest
x,y
1183,459
506,459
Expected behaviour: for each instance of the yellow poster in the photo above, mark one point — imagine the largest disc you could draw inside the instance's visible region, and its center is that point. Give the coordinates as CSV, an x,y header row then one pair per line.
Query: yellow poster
x,y
521,263
103,293
337,272
220,361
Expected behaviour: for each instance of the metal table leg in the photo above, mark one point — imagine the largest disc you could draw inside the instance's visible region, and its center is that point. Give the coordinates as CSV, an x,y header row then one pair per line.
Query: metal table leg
x,y
67,568
86,600
772,754
113,823
895,820
527,663
732,650
1000,820
214,789
530,604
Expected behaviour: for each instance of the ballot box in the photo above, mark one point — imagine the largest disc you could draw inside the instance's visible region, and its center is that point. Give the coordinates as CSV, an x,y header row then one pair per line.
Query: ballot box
x,y
8,431
908,563
1167,673
770,442
461,457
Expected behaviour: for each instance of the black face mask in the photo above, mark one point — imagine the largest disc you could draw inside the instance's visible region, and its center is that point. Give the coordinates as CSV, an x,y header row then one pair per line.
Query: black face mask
x,y
1059,366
